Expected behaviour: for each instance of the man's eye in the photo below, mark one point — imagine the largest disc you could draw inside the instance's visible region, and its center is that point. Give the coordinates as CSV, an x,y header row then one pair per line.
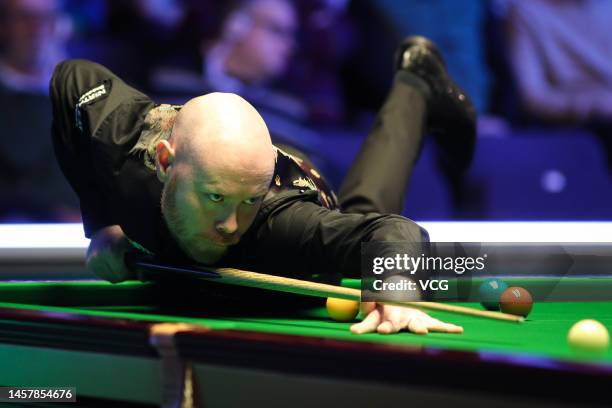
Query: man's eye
x,y
251,201
215,198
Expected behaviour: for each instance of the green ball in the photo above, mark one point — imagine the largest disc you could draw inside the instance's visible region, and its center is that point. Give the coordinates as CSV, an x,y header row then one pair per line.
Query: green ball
x,y
490,291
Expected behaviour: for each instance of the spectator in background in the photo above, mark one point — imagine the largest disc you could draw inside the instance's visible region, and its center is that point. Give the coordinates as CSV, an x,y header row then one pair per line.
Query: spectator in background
x,y
128,36
245,46
560,53
327,40
142,32
32,38
244,51
32,44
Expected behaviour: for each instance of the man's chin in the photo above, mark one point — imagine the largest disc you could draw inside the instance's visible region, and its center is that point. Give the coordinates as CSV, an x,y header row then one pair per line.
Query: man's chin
x,y
209,255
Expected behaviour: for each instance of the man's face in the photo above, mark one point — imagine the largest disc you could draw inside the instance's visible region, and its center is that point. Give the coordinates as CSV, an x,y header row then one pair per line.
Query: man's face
x,y
208,210
271,39
30,29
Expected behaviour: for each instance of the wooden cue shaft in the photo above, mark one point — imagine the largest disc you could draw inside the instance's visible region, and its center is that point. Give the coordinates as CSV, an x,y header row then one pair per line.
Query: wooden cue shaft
x,y
459,310
280,283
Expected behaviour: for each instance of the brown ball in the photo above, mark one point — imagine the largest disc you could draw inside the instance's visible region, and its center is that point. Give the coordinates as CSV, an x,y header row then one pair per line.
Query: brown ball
x,y
516,300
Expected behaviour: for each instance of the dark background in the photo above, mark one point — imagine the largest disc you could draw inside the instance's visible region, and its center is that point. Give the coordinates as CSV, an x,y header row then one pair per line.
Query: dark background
x,y
318,70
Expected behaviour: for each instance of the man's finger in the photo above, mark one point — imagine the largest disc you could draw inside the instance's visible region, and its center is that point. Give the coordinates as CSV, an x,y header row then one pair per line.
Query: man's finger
x,y
416,325
438,326
394,321
387,327
368,324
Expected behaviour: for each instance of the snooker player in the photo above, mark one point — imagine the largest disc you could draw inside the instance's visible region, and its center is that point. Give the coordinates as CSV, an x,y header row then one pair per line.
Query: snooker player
x,y
203,182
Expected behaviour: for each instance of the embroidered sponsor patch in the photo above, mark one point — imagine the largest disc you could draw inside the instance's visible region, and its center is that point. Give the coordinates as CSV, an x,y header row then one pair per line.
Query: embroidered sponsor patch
x,y
91,95
86,98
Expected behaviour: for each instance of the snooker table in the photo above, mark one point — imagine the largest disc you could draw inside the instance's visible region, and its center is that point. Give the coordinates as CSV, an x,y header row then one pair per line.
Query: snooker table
x,y
95,336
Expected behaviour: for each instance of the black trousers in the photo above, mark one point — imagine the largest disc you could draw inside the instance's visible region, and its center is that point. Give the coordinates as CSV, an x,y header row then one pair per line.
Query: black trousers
x,y
378,178
295,235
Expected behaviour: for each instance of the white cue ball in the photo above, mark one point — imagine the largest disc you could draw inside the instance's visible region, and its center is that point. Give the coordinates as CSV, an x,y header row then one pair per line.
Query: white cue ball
x,y
588,335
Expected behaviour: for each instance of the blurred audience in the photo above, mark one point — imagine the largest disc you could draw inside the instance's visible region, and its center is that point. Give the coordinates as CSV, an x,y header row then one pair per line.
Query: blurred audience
x,y
248,50
560,52
327,41
130,37
457,28
308,64
245,47
33,34
33,39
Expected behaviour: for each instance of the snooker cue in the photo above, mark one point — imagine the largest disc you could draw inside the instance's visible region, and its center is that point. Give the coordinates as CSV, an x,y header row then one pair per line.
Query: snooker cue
x,y
258,280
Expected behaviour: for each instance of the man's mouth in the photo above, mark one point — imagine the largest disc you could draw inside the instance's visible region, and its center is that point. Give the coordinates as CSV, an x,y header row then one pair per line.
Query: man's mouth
x,y
222,242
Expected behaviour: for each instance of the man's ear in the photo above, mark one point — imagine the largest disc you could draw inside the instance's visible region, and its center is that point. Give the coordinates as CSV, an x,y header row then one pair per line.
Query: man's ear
x,y
164,157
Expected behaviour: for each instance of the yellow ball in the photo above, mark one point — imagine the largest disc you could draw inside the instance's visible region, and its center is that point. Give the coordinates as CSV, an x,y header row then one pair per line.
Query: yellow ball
x,y
342,310
588,335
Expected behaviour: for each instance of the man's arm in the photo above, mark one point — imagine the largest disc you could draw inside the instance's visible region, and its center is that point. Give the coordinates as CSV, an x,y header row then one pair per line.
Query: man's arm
x,y
299,237
97,119
303,238
72,141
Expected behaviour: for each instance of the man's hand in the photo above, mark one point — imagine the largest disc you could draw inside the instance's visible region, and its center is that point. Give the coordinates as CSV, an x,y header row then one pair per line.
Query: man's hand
x,y
387,319
106,252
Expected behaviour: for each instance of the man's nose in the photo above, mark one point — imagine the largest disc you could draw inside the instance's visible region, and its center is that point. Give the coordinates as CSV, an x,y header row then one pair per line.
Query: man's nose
x,y
228,225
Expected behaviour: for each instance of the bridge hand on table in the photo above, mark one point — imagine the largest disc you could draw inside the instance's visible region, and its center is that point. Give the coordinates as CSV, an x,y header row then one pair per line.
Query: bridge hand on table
x,y
386,319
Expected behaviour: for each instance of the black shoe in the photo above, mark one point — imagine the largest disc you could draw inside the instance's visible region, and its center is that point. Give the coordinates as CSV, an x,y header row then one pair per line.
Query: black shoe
x,y
451,116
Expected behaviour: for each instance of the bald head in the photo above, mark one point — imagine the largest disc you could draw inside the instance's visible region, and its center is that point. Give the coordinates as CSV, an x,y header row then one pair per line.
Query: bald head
x,y
222,132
